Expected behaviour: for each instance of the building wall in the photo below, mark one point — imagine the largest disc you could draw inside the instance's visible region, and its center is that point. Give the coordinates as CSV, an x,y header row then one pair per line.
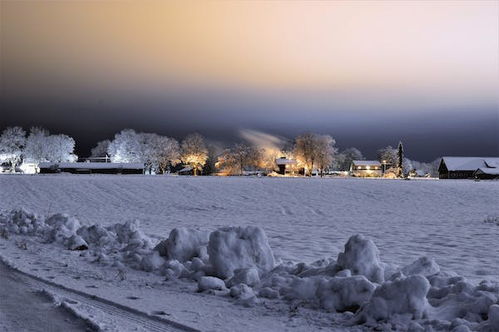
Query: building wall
x,y
367,173
91,171
455,174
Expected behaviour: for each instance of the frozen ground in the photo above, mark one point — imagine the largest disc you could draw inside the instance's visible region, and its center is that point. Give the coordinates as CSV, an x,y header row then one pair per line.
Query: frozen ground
x,y
305,220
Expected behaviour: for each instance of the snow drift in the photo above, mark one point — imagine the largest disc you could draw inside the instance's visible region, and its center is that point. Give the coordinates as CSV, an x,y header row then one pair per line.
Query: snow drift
x,y
238,262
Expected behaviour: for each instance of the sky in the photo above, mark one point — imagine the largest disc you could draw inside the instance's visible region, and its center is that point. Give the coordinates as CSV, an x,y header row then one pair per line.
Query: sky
x,y
369,73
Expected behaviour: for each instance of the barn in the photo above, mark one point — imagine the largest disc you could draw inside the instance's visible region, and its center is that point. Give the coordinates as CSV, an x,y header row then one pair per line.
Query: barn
x,y
92,168
468,167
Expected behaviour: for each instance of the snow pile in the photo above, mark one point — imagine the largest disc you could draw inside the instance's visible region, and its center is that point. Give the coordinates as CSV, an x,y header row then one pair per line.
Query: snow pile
x,y
183,244
247,276
345,293
62,228
453,298
423,266
59,228
402,296
210,283
126,242
238,262
234,248
21,222
361,256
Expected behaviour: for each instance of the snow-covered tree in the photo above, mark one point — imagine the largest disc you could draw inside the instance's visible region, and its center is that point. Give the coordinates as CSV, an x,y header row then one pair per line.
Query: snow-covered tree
x,y
421,168
226,163
60,148
312,150
305,151
343,160
43,147
325,152
194,152
36,145
240,157
388,156
12,142
100,150
159,152
214,151
125,147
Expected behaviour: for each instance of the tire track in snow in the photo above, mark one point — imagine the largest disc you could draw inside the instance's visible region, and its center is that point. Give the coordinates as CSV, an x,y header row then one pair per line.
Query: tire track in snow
x,y
115,310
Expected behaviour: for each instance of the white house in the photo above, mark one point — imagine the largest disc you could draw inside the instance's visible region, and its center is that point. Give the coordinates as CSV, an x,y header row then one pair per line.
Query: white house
x,y
366,168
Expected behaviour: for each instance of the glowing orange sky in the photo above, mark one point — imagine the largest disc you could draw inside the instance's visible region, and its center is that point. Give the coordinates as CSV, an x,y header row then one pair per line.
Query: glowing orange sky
x,y
439,47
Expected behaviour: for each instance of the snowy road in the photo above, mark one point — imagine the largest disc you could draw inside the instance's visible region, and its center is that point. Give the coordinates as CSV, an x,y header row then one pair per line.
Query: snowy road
x,y
18,297
21,293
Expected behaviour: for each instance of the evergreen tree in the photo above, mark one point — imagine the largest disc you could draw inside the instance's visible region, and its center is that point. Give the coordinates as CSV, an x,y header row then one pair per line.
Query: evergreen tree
x,y
400,161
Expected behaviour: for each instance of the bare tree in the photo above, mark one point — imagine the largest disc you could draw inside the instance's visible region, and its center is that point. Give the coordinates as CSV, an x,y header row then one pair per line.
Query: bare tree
x,y
313,150
194,152
227,163
166,153
325,152
305,151
100,150
237,159
12,142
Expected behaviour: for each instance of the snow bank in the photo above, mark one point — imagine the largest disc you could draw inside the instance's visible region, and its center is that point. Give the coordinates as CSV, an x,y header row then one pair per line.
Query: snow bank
x,y
183,244
234,248
361,256
345,293
403,296
238,262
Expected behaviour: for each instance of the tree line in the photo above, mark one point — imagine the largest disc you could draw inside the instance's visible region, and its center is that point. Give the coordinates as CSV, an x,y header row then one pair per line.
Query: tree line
x,y
161,154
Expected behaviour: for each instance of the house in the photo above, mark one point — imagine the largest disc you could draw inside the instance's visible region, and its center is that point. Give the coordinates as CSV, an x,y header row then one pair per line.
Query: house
x,y
490,171
366,168
92,168
487,173
288,167
467,167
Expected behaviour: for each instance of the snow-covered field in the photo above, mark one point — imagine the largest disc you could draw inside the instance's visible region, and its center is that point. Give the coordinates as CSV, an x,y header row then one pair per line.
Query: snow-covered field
x,y
304,219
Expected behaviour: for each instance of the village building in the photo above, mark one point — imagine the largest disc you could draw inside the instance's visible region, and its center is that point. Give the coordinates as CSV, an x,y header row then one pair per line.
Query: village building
x,y
92,168
186,170
288,167
468,167
366,168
